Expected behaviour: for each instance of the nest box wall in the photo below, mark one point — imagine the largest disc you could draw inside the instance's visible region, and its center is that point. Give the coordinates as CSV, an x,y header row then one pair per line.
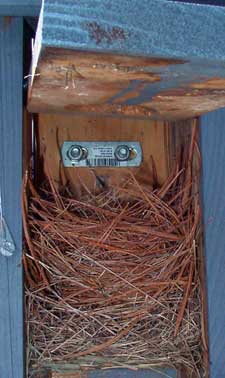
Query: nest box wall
x,y
162,60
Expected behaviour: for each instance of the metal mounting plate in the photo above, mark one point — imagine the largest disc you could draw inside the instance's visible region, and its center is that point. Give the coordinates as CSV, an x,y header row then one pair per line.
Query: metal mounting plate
x,y
101,154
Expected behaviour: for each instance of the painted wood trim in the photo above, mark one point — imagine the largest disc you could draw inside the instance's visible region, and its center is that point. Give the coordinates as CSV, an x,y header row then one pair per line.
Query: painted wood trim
x,y
213,199
119,373
220,3
32,7
11,283
20,8
158,28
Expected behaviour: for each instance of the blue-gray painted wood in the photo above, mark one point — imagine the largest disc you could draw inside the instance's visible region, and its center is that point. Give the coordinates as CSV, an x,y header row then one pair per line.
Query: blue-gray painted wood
x,y
213,189
32,7
150,28
220,3
124,373
11,285
20,7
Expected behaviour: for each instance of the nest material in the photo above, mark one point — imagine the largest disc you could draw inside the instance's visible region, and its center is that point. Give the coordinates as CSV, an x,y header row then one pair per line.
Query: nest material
x,y
112,279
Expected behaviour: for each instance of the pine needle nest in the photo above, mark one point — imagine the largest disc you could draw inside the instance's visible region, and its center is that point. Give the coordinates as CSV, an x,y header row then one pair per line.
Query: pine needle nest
x,y
112,278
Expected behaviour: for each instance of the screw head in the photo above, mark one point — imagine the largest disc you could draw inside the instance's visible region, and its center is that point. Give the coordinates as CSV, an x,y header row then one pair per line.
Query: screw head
x,y
122,153
75,153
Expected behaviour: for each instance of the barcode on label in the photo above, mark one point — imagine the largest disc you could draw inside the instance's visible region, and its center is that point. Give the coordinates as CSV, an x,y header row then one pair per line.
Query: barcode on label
x,y
103,162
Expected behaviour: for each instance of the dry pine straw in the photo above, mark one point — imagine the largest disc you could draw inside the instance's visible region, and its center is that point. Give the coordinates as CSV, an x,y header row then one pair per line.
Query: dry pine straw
x,y
112,278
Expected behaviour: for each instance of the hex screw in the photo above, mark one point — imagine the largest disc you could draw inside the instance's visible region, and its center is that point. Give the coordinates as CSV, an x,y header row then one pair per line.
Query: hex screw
x,y
77,153
122,153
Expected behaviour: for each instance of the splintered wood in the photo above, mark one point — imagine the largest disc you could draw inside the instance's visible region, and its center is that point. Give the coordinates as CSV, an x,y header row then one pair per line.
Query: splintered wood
x,y
113,277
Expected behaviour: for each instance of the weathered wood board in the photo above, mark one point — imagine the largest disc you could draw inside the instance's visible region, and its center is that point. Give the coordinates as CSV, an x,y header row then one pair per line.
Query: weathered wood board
x,y
104,58
53,130
11,281
20,7
119,373
160,141
213,194
32,7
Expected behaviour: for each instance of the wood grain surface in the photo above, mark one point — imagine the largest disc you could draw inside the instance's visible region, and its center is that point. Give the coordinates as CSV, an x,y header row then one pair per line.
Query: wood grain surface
x,y
213,200
136,87
118,58
55,129
11,283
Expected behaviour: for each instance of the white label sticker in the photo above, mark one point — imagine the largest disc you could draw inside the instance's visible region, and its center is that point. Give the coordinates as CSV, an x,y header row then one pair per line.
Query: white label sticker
x,y
102,152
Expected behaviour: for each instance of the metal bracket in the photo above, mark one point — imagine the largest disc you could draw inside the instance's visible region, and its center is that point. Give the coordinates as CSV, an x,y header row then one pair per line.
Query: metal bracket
x,y
101,154
7,245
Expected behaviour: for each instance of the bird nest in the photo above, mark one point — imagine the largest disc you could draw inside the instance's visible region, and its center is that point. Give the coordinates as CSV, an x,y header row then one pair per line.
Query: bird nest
x,y
112,278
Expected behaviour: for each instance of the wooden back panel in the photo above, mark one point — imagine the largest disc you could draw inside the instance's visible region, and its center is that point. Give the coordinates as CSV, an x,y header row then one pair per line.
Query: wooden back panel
x,y
55,129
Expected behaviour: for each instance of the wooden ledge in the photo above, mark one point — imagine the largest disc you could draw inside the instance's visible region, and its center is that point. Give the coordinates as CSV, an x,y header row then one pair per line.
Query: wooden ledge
x,y
135,66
